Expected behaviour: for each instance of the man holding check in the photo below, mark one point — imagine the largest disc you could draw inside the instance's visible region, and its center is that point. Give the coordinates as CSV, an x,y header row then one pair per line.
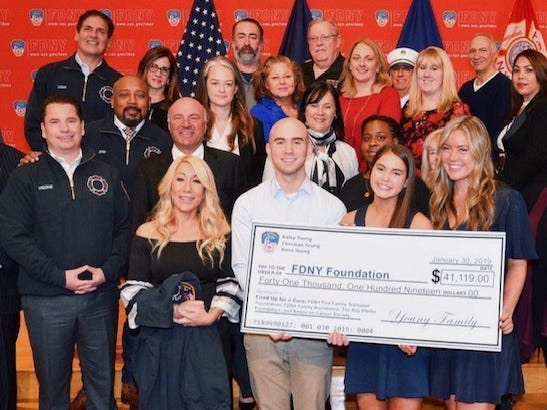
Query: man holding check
x,y
280,365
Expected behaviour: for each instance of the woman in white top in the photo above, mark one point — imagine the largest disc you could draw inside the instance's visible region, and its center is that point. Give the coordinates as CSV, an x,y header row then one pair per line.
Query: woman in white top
x,y
230,127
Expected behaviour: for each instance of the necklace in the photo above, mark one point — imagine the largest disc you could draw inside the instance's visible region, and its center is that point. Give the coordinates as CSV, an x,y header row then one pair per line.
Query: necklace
x,y
356,117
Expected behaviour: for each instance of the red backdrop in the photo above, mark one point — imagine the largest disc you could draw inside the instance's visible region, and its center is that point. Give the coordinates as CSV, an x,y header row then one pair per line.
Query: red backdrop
x,y
26,44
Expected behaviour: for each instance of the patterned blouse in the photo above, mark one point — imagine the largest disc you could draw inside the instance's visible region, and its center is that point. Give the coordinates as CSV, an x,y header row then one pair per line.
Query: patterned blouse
x,y
419,126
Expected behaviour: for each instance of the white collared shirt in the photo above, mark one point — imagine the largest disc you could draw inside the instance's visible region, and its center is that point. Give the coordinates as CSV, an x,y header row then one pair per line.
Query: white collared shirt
x,y
121,126
177,153
85,68
69,168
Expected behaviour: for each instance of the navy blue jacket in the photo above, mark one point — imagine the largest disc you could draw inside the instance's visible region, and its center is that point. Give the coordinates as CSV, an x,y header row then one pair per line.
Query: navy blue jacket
x,y
177,366
106,140
94,94
48,227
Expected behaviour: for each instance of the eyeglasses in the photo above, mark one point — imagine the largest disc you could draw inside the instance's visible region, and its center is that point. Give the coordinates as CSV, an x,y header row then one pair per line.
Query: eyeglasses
x,y
324,37
153,67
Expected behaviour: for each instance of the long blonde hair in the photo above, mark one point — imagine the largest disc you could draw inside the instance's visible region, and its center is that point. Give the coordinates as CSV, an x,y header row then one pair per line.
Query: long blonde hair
x,y
449,94
479,204
213,224
382,79
430,142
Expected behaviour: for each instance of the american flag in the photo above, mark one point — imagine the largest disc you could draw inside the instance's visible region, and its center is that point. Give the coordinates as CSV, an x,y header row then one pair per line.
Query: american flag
x,y
201,40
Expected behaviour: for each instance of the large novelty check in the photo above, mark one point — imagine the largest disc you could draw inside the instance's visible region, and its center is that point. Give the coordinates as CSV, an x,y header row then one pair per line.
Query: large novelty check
x,y
392,286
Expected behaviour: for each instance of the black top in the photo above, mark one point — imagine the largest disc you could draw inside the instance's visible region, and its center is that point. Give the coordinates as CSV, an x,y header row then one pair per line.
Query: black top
x,y
48,225
93,93
176,257
356,192
359,219
332,74
158,114
526,152
229,180
490,103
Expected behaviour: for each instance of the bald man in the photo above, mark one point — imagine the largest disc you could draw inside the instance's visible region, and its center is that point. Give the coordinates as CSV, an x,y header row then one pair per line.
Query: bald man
x,y
187,121
280,365
125,137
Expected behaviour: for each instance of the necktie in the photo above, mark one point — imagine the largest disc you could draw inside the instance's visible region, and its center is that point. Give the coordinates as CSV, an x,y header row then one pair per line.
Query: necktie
x,y
129,134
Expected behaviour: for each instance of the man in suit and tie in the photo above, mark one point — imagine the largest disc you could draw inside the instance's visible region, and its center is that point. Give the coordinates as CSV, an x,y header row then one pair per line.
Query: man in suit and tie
x,y
187,120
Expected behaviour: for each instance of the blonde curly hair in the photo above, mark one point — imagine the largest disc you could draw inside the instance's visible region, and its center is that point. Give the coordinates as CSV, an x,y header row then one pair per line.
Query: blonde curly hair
x,y
479,204
213,224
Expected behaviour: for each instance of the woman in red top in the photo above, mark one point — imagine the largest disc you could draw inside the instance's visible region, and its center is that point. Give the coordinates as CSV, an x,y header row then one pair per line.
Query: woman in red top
x,y
433,100
366,90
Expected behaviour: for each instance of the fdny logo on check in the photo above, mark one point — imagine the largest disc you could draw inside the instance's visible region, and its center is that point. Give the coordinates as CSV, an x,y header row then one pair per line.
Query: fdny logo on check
x,y
97,185
269,241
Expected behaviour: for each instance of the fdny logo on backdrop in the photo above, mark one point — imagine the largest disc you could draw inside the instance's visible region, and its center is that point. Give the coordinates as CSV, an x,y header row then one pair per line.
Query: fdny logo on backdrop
x,y
173,17
97,185
240,14
105,93
154,43
18,47
151,150
382,17
449,18
269,240
316,14
106,12
20,107
36,17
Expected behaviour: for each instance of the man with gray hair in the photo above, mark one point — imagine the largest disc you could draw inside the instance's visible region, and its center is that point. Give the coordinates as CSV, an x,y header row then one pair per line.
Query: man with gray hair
x,y
401,62
488,87
326,62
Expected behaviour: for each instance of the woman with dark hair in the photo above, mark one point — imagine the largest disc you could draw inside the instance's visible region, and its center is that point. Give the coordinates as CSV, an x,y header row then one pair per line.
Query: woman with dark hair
x,y
384,376
332,161
366,90
522,146
466,197
278,86
158,69
179,360
230,127
377,131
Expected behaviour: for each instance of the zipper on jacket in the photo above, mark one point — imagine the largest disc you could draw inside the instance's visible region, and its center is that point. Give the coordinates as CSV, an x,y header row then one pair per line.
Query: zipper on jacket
x,y
72,188
85,89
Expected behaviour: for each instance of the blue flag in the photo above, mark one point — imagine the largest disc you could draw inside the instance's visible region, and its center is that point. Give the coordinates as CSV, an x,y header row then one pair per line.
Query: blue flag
x,y
294,44
201,40
420,29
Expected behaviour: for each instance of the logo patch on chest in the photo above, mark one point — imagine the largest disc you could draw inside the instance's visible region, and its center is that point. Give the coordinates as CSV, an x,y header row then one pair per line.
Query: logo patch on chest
x,y
97,185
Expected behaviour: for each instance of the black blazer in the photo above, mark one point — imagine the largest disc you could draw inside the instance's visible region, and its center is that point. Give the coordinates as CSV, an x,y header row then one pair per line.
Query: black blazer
x,y
229,180
526,153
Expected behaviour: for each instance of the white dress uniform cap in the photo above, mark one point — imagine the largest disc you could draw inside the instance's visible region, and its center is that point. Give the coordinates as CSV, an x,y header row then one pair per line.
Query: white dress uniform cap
x,y
402,55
